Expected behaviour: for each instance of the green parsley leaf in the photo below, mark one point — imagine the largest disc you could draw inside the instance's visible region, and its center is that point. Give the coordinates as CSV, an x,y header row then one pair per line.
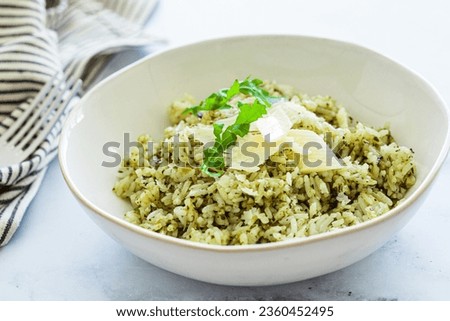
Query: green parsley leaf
x,y
252,87
250,113
234,89
214,101
217,130
220,99
213,157
239,129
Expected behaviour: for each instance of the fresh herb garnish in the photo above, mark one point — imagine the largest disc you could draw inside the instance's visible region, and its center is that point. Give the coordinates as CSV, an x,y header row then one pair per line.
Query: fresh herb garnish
x,y
221,99
213,159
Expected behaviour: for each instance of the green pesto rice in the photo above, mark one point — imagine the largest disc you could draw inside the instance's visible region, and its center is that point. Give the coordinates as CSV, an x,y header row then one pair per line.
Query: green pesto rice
x,y
277,202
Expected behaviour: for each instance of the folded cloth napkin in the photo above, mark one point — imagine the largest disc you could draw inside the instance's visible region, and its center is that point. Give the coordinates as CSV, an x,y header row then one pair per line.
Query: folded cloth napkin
x,y
38,39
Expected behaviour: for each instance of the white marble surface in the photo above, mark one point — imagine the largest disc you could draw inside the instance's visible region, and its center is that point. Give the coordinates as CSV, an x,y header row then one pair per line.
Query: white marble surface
x,y
59,254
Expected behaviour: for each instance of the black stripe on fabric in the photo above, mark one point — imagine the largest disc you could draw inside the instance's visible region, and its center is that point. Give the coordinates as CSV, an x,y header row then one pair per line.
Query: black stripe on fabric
x,y
26,71
51,151
16,35
20,173
7,193
12,179
2,211
20,186
22,108
17,81
15,188
11,218
14,118
46,152
31,172
6,108
19,25
11,102
28,171
6,201
4,122
9,108
9,174
19,91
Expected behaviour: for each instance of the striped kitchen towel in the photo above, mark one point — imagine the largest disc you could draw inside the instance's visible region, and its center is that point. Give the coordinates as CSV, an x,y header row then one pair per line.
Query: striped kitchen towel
x,y
39,38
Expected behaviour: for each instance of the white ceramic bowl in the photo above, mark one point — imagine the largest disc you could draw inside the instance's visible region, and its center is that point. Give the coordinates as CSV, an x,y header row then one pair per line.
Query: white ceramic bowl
x,y
374,88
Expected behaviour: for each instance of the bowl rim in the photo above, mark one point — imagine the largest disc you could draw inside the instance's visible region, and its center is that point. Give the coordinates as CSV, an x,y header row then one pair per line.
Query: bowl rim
x,y
407,202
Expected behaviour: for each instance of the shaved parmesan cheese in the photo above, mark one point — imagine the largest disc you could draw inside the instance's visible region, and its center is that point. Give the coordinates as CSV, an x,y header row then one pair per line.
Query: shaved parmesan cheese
x,y
274,126
279,120
317,156
248,153
270,134
291,110
253,150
